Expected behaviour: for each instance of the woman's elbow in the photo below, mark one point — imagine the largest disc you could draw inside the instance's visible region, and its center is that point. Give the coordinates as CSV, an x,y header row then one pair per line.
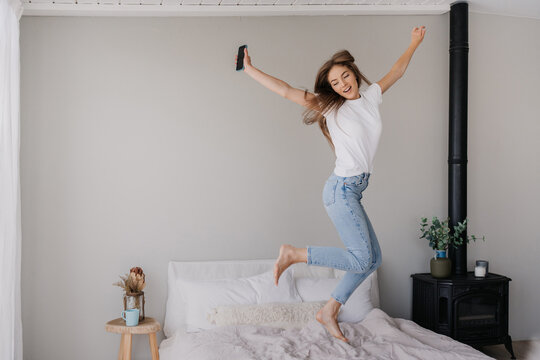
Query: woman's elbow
x,y
285,91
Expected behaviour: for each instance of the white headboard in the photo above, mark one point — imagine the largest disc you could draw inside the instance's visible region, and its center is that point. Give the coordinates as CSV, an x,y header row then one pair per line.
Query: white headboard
x,y
231,269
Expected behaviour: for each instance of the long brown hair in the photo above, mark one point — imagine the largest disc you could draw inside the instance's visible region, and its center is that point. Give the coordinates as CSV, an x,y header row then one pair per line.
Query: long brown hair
x,y
326,99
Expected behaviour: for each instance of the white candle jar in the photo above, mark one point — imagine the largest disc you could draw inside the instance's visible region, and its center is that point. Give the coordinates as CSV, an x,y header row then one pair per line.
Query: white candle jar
x,y
481,268
480,271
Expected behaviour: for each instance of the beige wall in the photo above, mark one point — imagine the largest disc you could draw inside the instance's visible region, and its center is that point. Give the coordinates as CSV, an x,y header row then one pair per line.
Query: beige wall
x,y
141,145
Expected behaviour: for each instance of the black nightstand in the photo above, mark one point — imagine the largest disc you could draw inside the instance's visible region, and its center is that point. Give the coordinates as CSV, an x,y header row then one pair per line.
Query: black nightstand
x,y
471,310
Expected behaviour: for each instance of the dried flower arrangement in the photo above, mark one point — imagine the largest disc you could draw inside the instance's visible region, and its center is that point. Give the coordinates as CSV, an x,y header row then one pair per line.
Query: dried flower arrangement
x,y
132,283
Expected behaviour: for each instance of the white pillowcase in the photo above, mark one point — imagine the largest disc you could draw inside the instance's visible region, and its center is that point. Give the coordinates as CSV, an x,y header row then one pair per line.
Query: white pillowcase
x,y
355,309
282,315
200,296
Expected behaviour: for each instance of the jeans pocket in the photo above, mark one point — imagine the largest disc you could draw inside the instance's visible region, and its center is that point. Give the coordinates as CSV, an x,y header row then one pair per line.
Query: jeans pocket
x,y
329,192
356,180
353,181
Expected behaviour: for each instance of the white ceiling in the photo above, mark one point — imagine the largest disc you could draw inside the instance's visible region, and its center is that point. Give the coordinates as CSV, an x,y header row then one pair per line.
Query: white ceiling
x,y
520,8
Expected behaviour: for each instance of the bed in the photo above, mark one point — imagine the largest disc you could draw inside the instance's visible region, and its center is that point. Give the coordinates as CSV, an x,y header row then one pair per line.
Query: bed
x,y
232,310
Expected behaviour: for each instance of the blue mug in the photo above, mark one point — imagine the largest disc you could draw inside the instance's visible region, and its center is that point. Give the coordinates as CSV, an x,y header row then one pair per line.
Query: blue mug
x,y
131,316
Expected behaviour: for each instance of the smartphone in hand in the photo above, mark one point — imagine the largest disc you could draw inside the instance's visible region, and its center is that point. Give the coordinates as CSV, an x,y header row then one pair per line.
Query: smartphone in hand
x,y
240,58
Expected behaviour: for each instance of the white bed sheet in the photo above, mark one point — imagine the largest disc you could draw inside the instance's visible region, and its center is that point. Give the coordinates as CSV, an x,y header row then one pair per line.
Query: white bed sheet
x,y
378,336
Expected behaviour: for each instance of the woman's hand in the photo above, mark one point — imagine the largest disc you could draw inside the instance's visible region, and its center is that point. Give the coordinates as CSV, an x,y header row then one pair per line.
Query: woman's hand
x,y
247,60
417,35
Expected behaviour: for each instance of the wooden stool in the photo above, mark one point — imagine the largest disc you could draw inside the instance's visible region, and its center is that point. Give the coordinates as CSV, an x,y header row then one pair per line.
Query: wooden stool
x,y
147,326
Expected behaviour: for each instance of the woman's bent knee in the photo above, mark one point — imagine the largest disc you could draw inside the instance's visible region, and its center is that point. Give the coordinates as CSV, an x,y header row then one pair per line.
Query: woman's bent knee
x,y
366,264
362,264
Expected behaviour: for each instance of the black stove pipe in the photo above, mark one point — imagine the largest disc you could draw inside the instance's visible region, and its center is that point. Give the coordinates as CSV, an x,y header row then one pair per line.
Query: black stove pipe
x,y
457,154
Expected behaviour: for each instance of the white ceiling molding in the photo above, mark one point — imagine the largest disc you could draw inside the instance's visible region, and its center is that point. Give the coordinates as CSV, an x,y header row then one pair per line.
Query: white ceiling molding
x,y
519,8
231,7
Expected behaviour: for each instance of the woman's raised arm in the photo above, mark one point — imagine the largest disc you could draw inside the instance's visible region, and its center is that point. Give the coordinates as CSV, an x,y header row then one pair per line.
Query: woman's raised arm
x,y
278,86
397,71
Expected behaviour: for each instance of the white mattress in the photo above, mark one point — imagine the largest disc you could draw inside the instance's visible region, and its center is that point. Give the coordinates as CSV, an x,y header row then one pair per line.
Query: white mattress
x,y
378,336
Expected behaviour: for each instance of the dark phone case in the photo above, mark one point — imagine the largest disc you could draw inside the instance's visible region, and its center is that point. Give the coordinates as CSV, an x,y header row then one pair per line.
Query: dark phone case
x,y
240,59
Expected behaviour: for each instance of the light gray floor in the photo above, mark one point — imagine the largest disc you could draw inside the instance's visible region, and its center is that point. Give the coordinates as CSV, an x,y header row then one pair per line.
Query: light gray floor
x,y
524,350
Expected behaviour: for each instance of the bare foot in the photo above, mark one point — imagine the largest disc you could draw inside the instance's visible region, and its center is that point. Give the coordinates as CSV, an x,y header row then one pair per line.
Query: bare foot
x,y
287,257
328,317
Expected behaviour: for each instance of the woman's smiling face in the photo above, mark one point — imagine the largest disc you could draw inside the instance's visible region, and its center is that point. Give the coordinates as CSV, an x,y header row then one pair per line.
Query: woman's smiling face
x,y
343,81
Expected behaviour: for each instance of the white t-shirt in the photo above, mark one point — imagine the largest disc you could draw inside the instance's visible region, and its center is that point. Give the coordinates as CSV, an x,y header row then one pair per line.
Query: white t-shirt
x,y
355,132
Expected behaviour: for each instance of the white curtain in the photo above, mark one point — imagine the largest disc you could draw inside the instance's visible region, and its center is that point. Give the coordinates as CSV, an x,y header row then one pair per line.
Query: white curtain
x,y
10,199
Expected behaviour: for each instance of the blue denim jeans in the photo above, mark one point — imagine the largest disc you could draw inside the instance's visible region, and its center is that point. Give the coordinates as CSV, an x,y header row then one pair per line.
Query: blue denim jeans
x,y
341,198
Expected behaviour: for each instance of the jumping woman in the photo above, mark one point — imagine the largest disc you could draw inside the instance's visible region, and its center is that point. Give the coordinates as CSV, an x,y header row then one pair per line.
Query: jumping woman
x,y
351,122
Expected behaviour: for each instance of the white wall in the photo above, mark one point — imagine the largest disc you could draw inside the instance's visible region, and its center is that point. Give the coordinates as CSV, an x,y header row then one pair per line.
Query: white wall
x,y
141,145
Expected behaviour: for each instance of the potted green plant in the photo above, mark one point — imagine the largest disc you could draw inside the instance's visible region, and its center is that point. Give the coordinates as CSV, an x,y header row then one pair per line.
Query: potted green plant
x,y
439,237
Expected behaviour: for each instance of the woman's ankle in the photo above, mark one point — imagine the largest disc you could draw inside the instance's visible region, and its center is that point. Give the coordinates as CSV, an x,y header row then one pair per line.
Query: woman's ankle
x,y
333,305
301,255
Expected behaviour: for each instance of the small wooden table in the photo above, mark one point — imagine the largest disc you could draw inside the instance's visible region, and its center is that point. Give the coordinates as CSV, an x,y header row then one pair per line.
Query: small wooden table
x,y
147,326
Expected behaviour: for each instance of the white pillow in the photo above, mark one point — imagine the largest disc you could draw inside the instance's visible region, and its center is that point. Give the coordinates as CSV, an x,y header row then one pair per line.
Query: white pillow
x,y
282,315
355,309
200,296
175,315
